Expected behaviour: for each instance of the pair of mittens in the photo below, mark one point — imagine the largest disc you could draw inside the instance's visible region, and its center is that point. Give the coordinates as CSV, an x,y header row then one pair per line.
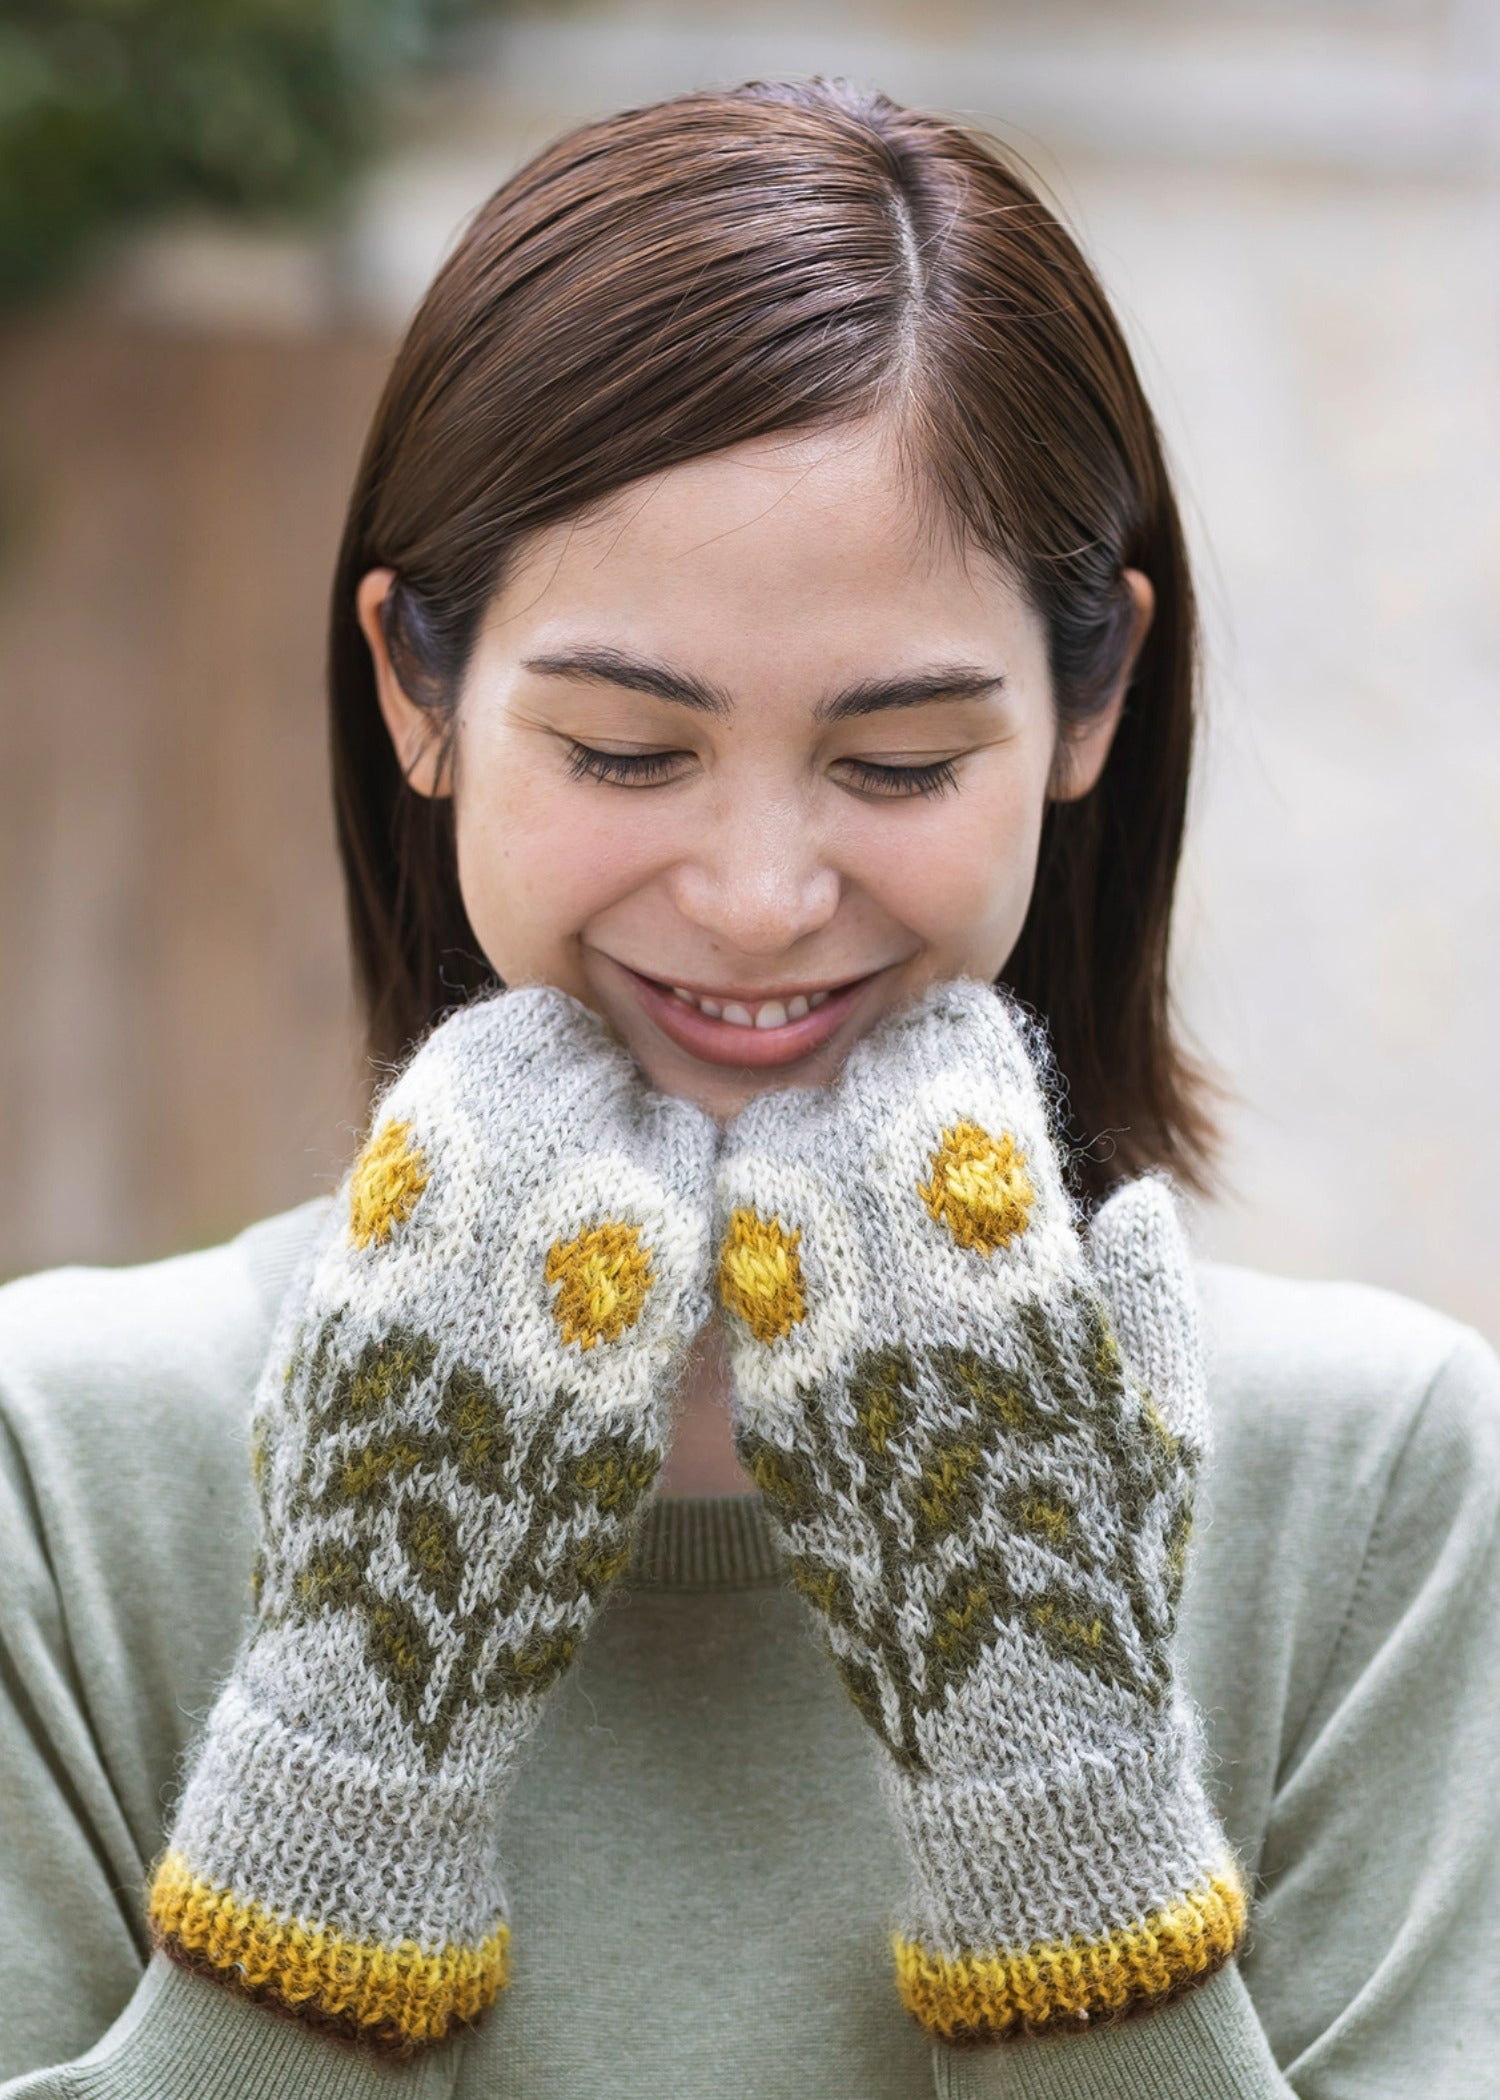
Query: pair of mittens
x,y
468,1398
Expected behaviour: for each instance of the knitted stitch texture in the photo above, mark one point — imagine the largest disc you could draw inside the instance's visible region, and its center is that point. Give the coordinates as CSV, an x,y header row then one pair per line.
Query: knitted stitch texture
x,y
985,1495
467,1398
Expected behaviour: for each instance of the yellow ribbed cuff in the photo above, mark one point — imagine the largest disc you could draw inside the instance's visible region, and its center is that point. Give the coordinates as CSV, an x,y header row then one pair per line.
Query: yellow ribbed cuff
x,y
1053,1985
398,1998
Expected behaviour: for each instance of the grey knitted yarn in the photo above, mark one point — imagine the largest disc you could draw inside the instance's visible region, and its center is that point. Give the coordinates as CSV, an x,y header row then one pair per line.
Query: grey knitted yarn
x,y
987,1502
467,1399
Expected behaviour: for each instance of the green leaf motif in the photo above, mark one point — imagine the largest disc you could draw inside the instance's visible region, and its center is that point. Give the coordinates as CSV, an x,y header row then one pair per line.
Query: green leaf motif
x,y
531,1669
932,1433
784,1477
429,1539
596,1493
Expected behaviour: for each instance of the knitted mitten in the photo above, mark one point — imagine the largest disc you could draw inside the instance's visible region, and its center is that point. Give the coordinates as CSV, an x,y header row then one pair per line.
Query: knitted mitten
x,y
987,1503
467,1398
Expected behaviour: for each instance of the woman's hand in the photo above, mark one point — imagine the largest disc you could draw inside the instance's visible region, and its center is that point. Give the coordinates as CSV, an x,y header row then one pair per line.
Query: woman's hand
x,y
987,1501
466,1401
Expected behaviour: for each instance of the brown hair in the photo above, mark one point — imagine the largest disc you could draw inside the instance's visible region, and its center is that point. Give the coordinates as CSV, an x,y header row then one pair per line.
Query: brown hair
x,y
678,279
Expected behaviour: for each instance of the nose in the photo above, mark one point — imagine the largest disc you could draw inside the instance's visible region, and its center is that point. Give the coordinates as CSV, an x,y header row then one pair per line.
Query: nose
x,y
757,881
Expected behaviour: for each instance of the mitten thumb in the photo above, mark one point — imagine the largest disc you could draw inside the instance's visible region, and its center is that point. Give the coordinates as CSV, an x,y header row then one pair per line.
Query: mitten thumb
x,y
1144,1269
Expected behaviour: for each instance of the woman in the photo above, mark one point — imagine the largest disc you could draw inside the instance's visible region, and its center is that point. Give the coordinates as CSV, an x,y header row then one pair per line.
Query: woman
x,y
762,645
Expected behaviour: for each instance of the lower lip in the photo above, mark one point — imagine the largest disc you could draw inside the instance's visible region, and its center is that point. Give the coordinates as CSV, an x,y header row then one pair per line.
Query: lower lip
x,y
755,1049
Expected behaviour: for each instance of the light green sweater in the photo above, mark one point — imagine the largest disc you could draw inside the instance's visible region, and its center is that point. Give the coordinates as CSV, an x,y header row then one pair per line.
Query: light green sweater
x,y
702,1879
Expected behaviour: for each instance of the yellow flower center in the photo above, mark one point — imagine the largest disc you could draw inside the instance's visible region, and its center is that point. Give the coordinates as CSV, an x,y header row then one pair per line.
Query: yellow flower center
x,y
602,1278
760,1275
979,1188
389,1176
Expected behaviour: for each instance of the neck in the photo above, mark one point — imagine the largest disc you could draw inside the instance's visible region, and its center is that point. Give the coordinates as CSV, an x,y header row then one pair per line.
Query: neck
x,y
702,1459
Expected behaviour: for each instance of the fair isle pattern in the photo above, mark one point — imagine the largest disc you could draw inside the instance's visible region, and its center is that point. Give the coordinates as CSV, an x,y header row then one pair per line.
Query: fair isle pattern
x,y
602,1277
405,1450
467,1400
984,1493
401,1998
388,1179
979,1188
1054,1985
957,1472
760,1275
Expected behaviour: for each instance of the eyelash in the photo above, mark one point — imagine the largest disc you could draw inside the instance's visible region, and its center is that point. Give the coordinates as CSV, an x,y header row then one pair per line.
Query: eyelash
x,y
654,768
621,768
896,781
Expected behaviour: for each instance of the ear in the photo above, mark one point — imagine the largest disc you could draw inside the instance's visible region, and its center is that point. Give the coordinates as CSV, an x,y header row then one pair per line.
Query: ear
x,y
413,730
1081,752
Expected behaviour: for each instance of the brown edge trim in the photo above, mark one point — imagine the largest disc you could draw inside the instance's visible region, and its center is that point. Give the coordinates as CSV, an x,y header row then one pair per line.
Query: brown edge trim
x,y
1135,2008
385,2040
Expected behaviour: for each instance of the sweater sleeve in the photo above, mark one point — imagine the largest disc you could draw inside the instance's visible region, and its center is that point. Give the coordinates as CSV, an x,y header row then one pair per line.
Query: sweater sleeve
x,y
1375,1938
179,2035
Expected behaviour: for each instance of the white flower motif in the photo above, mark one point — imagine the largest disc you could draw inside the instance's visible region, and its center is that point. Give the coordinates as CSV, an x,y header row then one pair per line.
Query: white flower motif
x,y
972,1195
440,1229
792,1279
597,1283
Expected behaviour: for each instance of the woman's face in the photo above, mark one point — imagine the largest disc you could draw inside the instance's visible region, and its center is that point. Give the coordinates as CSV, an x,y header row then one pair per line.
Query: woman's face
x,y
748,757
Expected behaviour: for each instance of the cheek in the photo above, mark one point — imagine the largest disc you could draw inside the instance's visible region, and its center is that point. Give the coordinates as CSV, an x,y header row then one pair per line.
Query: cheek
x,y
540,856
962,876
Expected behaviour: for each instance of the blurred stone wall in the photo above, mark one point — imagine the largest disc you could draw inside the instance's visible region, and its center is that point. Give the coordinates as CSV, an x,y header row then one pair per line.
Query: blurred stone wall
x,y
1298,211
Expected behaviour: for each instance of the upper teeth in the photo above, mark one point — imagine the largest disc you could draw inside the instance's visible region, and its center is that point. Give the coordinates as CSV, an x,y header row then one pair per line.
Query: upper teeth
x,y
770,1013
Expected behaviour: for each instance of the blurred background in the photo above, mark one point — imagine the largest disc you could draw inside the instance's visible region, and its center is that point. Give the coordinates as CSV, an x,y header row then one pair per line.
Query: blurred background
x,y
215,217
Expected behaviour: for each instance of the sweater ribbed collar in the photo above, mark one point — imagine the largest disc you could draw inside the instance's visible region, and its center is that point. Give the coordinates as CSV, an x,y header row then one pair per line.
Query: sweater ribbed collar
x,y
703,1542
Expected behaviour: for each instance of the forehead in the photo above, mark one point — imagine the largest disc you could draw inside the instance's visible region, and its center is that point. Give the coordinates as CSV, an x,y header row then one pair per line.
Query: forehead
x,y
801,543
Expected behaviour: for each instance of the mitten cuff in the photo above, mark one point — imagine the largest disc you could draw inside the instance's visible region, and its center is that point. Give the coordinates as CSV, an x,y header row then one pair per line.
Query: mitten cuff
x,y
395,1997
358,1895
1059,1898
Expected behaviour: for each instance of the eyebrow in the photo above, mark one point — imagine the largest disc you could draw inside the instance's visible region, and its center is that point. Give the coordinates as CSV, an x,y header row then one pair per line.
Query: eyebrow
x,y
604,666
613,667
916,689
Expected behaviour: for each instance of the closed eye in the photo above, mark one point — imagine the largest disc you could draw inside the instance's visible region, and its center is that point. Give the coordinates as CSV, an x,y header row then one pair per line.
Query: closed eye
x,y
656,768
623,768
870,778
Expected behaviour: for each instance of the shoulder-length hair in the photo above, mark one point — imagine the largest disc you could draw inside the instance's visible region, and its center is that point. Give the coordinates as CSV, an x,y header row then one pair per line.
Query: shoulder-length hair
x,y
681,278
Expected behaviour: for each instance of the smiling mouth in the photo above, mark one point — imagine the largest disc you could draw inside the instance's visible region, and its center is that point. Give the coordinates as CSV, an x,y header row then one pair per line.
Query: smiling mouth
x,y
756,1013
745,1029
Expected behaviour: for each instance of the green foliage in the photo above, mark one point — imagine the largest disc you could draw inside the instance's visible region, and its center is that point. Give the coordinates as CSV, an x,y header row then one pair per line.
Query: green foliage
x,y
113,109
